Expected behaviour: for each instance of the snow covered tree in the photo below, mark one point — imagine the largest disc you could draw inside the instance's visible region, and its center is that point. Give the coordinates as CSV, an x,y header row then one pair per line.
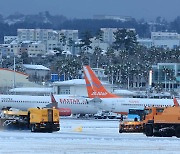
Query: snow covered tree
x,y
125,40
86,41
62,40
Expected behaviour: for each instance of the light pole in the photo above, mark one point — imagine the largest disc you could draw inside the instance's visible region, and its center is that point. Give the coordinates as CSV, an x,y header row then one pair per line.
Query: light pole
x,y
14,75
6,86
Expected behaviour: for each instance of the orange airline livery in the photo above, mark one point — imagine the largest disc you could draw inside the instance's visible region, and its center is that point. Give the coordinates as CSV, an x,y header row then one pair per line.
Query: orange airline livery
x,y
111,102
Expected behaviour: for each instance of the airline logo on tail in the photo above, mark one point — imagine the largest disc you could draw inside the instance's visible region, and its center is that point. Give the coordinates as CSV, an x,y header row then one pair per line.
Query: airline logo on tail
x,y
94,86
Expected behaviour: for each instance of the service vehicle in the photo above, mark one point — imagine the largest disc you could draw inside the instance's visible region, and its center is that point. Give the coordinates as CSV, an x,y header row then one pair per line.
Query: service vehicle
x,y
137,118
165,124
35,119
133,122
153,120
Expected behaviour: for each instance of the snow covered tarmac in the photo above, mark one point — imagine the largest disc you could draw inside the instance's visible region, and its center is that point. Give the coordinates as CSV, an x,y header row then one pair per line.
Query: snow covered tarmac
x,y
97,136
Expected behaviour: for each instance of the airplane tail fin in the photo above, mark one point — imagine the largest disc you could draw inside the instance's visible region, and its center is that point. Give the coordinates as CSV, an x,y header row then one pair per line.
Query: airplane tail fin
x,y
94,86
175,102
53,101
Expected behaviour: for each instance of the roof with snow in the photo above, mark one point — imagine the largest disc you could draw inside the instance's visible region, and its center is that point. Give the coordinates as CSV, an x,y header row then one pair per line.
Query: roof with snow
x,y
36,67
124,92
67,52
26,41
32,90
74,82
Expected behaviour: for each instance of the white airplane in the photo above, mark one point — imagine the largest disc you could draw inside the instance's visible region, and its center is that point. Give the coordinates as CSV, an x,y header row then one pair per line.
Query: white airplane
x,y
67,105
111,102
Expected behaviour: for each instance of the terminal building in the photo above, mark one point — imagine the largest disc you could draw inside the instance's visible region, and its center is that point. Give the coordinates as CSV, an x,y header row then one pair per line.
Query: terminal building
x,y
167,75
165,40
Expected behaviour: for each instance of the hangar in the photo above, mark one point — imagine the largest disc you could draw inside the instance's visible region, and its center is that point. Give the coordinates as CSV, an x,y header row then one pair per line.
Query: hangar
x,y
10,79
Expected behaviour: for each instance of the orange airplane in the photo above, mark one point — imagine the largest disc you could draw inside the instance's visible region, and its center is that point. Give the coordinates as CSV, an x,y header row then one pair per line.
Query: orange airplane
x,y
111,102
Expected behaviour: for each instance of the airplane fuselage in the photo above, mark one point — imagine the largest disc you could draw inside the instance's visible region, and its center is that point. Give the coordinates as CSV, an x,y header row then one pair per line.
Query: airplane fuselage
x,y
122,105
78,105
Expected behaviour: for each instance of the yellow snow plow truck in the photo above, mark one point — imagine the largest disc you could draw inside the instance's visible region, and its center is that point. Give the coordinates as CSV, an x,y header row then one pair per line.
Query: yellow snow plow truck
x,y
35,119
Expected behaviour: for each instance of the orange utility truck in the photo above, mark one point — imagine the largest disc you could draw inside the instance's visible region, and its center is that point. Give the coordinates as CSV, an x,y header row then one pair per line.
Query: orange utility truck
x,y
165,124
140,118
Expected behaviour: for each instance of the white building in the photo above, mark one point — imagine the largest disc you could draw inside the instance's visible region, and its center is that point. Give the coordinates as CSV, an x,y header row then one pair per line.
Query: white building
x,y
32,91
33,48
51,38
165,39
52,44
4,51
145,42
96,43
15,47
69,34
108,34
76,87
71,38
34,34
36,48
38,72
9,39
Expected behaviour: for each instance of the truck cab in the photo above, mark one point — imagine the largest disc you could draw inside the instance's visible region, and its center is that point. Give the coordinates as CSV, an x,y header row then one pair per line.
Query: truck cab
x,y
150,112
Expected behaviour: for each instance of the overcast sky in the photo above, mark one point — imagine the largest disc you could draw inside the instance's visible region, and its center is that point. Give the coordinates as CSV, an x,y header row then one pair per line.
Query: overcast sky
x,y
148,9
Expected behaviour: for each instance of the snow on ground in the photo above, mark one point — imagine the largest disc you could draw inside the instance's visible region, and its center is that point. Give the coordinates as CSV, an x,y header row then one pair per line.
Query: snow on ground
x,y
96,137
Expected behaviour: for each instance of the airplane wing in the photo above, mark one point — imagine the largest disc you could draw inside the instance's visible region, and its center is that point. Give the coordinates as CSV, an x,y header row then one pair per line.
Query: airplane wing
x,y
50,105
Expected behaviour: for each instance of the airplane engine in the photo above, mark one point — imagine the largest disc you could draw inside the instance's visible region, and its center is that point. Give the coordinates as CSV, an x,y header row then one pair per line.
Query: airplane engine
x,y
64,111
